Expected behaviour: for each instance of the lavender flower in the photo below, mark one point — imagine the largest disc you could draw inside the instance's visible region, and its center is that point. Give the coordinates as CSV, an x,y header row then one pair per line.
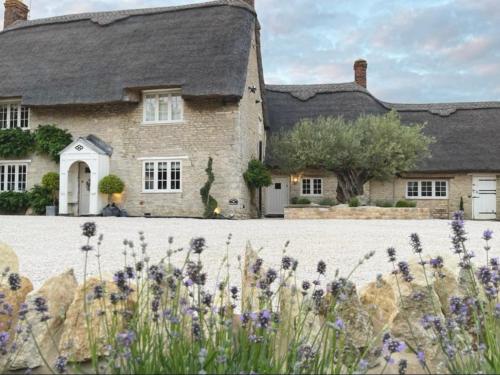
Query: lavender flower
x,y
198,245
321,269
271,275
421,358
339,325
86,248
487,234
41,305
264,318
61,364
256,267
126,338
391,252
458,229
286,262
415,243
404,269
306,285
89,229
402,366
14,281
4,340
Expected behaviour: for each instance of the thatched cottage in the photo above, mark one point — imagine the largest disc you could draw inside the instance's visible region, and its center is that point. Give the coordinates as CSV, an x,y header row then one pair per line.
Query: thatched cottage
x,y
149,95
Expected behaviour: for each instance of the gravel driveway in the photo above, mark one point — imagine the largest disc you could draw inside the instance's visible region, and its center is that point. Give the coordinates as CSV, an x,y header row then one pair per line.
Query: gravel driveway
x,y
49,245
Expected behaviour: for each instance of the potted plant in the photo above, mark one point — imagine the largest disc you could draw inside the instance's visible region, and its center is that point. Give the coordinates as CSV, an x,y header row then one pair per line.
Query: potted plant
x,y
111,185
51,182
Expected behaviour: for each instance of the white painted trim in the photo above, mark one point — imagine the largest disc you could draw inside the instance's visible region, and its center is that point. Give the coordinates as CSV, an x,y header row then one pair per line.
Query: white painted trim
x,y
312,186
155,161
166,158
433,196
10,102
16,164
157,93
14,161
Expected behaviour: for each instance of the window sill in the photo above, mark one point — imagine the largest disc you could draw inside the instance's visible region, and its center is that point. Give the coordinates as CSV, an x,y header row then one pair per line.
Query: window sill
x,y
427,198
311,195
162,192
180,122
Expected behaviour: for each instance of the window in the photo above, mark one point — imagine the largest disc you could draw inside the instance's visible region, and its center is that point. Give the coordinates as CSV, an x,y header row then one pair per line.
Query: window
x,y
163,107
427,189
162,176
312,186
13,177
14,115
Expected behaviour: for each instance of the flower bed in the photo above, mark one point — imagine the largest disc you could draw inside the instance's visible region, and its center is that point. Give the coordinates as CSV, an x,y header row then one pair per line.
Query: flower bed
x,y
356,213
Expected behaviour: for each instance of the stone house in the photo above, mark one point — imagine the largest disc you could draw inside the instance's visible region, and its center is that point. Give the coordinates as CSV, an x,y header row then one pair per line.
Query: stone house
x,y
148,95
464,164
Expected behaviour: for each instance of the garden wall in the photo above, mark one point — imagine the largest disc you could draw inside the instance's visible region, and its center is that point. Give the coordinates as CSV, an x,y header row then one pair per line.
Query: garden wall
x,y
356,213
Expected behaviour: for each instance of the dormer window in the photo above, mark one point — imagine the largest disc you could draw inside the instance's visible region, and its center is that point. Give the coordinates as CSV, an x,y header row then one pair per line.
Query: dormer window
x,y
163,107
14,115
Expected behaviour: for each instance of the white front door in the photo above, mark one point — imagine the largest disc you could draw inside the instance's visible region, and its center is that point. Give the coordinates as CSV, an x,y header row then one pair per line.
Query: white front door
x,y
84,189
277,196
484,198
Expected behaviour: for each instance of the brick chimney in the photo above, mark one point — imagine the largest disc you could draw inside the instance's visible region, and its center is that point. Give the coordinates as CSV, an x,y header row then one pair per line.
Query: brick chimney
x,y
15,10
360,67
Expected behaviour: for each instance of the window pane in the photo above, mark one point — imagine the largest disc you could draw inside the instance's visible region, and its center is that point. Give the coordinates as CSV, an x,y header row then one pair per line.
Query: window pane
x,y
21,178
426,188
150,106
175,176
306,186
3,117
317,186
163,102
176,101
11,178
14,111
440,189
24,117
2,177
162,176
149,176
412,189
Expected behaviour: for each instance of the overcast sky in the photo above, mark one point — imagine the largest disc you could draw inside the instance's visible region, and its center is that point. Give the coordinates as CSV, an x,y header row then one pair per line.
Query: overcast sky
x,y
417,50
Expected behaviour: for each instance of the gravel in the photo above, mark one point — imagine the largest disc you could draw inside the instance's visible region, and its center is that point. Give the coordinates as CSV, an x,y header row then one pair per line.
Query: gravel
x,y
47,246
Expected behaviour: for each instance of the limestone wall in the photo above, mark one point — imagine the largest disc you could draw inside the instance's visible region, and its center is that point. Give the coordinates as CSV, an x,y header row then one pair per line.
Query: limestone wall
x,y
356,213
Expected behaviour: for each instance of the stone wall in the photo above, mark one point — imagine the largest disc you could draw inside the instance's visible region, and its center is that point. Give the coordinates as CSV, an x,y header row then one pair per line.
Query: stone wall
x,y
229,132
356,213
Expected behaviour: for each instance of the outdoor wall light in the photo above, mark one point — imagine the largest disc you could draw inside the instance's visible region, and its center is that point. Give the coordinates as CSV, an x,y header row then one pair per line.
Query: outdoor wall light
x,y
295,179
217,211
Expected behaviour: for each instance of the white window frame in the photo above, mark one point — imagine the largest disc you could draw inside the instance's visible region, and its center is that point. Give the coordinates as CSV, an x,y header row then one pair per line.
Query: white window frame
x,y
156,94
155,162
433,194
16,164
312,187
8,104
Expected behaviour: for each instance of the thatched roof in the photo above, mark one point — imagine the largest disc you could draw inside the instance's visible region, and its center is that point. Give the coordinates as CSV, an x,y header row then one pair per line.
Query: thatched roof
x,y
467,134
97,57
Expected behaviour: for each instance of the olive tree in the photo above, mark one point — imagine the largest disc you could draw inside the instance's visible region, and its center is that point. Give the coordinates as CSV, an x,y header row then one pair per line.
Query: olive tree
x,y
370,147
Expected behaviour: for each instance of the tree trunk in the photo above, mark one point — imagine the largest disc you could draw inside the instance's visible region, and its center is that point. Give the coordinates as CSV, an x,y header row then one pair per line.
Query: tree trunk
x,y
350,184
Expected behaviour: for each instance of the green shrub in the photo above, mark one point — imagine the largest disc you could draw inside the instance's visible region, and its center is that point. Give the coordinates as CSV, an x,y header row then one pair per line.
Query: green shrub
x,y
50,182
403,203
12,202
111,185
39,198
257,175
383,203
16,143
354,202
461,207
208,201
51,140
328,202
301,201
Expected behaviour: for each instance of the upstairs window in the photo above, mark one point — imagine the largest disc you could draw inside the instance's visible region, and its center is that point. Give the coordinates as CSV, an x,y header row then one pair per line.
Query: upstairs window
x,y
13,177
312,186
163,107
14,115
427,189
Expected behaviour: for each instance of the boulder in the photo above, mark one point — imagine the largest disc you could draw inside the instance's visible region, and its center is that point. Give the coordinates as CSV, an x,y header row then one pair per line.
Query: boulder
x,y
58,293
93,317
8,259
379,300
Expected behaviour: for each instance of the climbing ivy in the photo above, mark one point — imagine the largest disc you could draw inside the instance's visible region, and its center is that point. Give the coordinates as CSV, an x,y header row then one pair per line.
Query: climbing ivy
x,y
51,140
208,201
16,143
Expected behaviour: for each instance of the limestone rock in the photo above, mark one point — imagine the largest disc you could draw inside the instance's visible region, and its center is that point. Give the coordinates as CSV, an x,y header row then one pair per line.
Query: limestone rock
x,y
74,342
13,301
8,259
379,300
58,292
249,293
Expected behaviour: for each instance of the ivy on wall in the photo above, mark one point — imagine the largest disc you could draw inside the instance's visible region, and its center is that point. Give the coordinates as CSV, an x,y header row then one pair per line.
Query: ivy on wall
x,y
46,140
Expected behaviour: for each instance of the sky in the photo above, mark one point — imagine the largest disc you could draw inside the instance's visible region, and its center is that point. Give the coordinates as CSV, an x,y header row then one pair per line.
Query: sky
x,y
418,51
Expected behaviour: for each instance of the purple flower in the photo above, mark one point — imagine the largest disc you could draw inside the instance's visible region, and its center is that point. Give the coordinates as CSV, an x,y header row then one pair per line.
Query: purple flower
x,y
404,269
14,281
458,229
415,243
286,262
497,311
86,248
60,365
339,324
89,229
421,358
198,245
402,366
437,262
487,234
188,282
391,252
321,269
126,338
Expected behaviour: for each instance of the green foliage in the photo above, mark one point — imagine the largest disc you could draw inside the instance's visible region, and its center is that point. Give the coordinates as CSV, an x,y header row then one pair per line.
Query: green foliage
x,y
51,140
354,202
371,147
39,198
257,175
208,201
111,185
15,143
14,202
461,208
383,203
300,201
403,203
51,181
328,202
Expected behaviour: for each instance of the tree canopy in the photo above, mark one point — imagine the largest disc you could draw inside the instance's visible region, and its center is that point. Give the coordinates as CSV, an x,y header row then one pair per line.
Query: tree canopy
x,y
370,147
